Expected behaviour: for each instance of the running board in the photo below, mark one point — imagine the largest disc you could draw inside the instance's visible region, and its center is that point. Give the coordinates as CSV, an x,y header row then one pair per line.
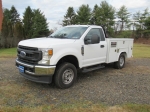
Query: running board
x,y
89,69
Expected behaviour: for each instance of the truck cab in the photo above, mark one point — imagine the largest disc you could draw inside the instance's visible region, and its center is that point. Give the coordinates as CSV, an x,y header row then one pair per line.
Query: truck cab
x,y
59,56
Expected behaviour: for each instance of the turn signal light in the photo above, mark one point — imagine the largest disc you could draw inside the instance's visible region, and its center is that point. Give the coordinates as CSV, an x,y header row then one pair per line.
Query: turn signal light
x,y
50,52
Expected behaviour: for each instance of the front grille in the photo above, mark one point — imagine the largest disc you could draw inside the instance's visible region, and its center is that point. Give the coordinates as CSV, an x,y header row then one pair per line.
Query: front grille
x,y
27,61
28,48
31,54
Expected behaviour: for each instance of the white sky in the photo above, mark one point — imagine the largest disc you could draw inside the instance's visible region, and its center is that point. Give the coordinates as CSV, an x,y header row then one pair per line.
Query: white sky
x,y
54,10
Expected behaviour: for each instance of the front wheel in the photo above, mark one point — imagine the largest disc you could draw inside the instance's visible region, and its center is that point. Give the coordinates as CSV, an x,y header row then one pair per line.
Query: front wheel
x,y
121,62
65,75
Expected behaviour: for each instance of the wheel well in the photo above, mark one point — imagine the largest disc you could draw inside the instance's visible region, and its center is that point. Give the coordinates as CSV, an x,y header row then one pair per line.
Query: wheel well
x,y
70,59
125,54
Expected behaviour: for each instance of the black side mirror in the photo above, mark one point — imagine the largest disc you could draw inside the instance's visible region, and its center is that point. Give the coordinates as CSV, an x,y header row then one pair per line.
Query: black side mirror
x,y
92,40
87,40
95,39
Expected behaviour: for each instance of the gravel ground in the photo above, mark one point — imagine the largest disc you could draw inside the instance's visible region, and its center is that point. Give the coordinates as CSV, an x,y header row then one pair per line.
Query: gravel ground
x,y
107,86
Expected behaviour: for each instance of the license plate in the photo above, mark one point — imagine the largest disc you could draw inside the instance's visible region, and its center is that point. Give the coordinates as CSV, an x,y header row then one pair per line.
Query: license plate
x,y
21,69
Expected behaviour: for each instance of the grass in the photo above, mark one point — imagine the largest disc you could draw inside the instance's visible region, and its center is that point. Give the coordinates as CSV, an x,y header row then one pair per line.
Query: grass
x,y
8,53
137,108
141,51
80,107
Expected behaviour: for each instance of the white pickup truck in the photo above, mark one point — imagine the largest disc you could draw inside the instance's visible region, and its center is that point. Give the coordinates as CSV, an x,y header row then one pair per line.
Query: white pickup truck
x,y
71,48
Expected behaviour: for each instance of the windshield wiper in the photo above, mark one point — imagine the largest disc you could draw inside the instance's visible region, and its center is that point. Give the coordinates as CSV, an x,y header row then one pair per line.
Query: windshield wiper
x,y
51,36
61,37
64,37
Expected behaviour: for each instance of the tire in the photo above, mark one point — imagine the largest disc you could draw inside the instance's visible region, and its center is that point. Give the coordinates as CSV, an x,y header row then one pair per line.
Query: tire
x,y
121,62
65,75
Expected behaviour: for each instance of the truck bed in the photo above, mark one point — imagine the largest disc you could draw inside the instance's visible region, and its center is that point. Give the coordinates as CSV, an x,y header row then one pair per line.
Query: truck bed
x,y
115,46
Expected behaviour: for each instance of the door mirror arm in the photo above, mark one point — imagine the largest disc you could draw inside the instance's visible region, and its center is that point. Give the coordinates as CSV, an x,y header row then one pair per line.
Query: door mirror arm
x,y
87,41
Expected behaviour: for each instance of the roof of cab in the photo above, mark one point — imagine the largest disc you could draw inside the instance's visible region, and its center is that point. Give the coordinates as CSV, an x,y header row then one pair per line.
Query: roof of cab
x,y
81,25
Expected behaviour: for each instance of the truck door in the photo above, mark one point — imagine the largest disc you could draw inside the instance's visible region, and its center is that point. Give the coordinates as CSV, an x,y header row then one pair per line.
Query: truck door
x,y
94,53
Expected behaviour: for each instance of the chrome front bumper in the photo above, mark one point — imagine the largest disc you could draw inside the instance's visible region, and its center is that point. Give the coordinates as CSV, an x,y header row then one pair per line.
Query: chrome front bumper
x,y
37,70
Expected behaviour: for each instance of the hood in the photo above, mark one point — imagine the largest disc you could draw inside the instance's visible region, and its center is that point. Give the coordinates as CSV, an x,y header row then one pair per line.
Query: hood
x,y
44,42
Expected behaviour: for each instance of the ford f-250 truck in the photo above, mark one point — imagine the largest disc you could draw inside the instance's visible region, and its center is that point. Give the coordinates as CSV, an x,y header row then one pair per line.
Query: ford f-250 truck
x,y
75,47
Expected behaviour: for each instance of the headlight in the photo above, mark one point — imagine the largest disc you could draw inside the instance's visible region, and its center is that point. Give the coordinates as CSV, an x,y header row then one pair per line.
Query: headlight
x,y
47,54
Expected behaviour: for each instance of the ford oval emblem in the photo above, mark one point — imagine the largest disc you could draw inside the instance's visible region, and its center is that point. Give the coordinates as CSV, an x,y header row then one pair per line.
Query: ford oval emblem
x,y
22,54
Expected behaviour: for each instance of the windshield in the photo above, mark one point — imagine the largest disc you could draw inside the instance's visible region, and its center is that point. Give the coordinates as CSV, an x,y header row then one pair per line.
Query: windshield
x,y
69,33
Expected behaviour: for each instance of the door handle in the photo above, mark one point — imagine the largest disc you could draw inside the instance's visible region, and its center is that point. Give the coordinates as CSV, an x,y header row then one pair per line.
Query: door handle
x,y
102,46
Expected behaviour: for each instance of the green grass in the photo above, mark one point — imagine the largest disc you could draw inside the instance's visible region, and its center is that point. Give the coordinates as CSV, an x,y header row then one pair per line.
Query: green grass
x,y
141,51
79,107
9,52
137,107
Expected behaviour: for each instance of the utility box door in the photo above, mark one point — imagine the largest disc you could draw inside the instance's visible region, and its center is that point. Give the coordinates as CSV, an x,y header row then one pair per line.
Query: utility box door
x,y
116,46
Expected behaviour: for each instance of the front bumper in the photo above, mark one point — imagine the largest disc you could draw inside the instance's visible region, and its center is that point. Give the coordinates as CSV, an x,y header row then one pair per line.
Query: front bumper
x,y
37,73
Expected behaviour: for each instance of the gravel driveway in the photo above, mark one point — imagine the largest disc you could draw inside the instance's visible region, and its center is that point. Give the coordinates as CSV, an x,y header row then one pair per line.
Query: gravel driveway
x,y
108,86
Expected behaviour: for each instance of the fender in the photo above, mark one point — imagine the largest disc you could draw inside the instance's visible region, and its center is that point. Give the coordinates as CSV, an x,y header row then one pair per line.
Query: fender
x,y
62,53
122,51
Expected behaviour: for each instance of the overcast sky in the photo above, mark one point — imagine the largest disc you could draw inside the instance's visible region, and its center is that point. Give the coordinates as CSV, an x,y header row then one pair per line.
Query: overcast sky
x,y
55,10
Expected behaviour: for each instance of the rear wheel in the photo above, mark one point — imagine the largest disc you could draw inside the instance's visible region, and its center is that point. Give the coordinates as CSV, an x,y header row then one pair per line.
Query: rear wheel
x,y
65,75
121,62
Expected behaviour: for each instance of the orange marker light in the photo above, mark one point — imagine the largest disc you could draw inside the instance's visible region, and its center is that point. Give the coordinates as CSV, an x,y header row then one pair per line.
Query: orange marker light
x,y
50,52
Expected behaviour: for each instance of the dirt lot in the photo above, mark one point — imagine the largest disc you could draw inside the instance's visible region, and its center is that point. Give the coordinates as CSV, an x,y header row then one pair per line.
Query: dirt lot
x,y
107,86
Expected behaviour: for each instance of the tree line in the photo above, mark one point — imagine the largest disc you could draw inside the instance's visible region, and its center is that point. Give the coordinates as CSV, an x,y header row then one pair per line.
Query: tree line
x,y
14,29
118,23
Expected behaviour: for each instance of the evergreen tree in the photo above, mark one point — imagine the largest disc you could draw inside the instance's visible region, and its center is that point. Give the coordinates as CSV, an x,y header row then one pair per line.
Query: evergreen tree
x,y
139,24
6,14
93,15
28,22
138,20
83,14
70,17
146,32
6,28
14,15
15,21
18,30
144,17
14,18
105,15
40,26
95,8
123,15
5,32
9,29
147,23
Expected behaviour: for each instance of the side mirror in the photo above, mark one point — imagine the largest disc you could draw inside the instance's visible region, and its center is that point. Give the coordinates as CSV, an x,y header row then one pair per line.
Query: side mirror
x,y
92,40
95,39
87,40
